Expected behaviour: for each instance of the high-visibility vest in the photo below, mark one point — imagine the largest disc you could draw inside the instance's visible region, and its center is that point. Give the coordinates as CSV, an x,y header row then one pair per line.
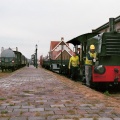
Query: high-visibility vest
x,y
92,55
74,61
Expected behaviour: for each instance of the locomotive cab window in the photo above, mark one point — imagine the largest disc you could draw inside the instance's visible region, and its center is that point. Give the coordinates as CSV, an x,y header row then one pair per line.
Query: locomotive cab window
x,y
97,41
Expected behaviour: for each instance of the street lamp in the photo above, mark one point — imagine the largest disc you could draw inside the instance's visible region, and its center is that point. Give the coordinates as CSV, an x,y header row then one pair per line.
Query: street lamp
x,y
62,39
36,54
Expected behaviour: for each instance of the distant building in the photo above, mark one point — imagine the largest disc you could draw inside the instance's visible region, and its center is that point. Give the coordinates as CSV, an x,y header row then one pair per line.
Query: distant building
x,y
58,48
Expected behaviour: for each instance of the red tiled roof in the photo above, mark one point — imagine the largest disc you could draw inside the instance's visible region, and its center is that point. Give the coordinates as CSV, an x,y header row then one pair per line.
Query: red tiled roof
x,y
53,44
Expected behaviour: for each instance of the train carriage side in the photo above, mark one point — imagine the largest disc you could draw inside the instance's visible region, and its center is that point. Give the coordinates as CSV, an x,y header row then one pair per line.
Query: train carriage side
x,y
18,59
59,66
23,61
8,60
26,62
12,60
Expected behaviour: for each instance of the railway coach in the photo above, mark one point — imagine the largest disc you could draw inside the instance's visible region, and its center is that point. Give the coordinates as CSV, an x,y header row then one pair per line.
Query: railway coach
x,y
12,60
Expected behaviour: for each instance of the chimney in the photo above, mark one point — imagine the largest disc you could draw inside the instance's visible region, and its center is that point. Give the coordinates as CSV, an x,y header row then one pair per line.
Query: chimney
x,y
16,48
112,24
62,38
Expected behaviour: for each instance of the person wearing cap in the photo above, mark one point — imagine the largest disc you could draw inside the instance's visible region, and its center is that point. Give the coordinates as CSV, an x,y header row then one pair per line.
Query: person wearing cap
x,y
91,57
73,65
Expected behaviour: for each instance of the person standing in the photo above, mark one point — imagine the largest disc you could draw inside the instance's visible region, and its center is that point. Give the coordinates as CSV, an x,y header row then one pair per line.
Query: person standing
x,y
91,57
73,65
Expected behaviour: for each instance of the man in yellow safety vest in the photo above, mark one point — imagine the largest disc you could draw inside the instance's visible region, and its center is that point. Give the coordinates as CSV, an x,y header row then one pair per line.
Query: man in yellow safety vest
x,y
91,57
73,65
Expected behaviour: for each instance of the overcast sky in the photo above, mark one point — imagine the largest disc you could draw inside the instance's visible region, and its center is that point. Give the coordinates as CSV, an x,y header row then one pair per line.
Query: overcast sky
x,y
25,23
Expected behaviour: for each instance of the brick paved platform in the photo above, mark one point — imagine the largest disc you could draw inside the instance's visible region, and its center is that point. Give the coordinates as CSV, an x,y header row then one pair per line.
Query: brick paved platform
x,y
38,94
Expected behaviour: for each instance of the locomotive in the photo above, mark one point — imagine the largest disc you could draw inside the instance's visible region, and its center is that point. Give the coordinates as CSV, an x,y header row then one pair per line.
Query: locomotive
x,y
106,70
12,60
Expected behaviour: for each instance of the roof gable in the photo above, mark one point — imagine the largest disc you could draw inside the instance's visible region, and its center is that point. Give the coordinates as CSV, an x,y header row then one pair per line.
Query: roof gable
x,y
61,43
62,52
57,48
53,44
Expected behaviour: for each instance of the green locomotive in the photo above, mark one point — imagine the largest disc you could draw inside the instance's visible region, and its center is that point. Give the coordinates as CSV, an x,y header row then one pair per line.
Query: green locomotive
x,y
106,69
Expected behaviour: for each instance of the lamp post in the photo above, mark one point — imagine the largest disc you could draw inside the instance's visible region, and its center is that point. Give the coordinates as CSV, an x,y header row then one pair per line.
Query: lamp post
x,y
36,54
34,59
62,39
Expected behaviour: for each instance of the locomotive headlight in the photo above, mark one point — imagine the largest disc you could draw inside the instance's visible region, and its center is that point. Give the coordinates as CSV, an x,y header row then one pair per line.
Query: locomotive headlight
x,y
100,69
12,61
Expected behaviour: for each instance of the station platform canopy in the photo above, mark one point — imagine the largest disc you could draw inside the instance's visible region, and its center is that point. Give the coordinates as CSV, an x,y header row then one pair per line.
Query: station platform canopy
x,y
81,38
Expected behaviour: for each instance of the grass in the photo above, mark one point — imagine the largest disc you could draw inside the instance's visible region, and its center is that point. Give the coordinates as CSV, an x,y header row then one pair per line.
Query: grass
x,y
41,103
95,118
2,99
37,114
29,103
4,112
107,93
27,91
21,112
71,111
11,104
